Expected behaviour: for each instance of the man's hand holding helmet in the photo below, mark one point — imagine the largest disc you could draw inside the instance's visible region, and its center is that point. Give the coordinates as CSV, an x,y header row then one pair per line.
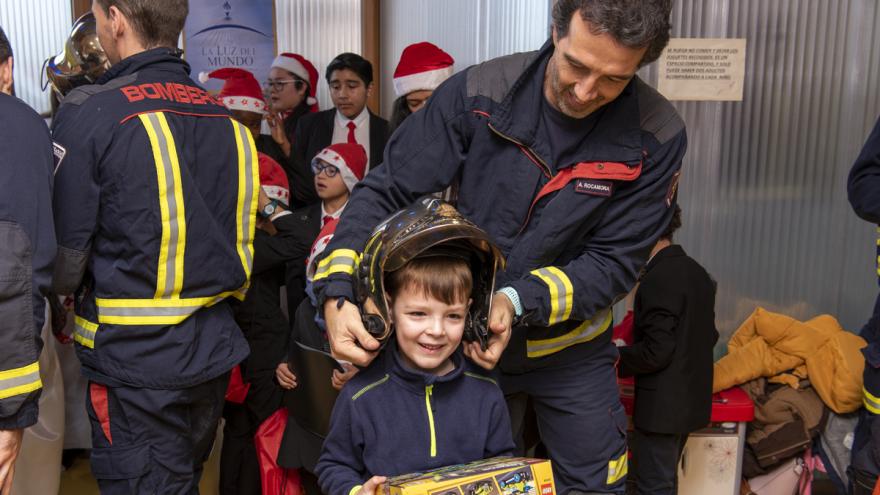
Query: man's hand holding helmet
x,y
349,340
500,323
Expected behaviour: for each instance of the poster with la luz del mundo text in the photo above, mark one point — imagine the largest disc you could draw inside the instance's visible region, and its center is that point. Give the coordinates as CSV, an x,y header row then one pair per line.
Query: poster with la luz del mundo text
x,y
229,33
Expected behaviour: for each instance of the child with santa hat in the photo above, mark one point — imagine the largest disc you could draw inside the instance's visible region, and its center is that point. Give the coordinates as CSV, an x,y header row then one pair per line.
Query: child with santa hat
x,y
337,169
422,67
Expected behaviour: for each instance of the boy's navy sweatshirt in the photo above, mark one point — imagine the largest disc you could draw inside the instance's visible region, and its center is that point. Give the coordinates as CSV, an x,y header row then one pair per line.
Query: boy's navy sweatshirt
x,y
391,420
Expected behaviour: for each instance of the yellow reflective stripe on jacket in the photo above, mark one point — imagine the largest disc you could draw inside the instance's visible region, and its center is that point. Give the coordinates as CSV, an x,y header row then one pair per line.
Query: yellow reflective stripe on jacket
x,y
169,276
584,332
338,261
616,469
561,292
153,311
878,251
20,380
84,332
872,403
429,390
248,194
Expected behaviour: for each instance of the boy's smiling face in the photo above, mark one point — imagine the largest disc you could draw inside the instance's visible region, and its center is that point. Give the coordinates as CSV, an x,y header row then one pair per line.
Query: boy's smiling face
x,y
428,330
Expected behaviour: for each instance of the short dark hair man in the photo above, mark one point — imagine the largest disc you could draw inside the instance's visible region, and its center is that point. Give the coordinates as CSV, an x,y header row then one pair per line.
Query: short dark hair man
x,y
26,256
571,163
350,78
671,358
155,205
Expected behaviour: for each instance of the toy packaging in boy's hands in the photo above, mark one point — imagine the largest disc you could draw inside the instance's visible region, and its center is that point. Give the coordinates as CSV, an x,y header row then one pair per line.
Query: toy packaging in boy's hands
x,y
496,476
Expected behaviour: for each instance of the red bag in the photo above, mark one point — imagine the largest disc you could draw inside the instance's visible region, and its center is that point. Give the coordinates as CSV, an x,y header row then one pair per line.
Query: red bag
x,y
237,389
275,480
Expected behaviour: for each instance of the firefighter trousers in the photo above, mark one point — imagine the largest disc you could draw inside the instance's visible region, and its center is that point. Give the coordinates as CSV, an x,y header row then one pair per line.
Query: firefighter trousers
x,y
581,421
153,441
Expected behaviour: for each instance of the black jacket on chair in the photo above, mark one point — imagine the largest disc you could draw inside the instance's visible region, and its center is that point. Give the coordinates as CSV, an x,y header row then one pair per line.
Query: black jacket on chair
x,y
314,132
674,331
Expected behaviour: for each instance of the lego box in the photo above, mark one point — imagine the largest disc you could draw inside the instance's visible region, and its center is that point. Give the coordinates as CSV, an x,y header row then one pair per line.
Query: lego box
x,y
496,476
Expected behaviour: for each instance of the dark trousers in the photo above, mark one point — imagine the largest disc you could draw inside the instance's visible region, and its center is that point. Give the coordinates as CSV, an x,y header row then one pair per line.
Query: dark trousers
x,y
655,459
239,466
862,482
580,421
153,441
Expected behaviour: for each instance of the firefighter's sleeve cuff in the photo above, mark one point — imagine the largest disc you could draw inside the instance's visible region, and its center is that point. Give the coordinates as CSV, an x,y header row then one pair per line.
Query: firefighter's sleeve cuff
x,y
513,295
334,289
26,416
355,489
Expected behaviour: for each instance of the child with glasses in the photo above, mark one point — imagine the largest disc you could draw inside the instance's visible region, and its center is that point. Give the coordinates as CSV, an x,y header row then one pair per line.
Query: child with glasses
x,y
290,94
337,169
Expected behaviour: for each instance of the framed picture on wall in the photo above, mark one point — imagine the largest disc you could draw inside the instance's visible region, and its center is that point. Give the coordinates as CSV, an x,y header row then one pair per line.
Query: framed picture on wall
x,y
229,33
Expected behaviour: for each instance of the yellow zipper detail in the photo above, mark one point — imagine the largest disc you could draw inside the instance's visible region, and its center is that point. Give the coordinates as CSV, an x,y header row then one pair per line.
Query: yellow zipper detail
x,y
429,389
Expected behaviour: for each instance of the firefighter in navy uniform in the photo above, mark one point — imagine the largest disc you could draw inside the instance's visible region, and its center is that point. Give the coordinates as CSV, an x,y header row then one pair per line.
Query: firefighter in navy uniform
x,y
26,253
863,188
155,205
570,162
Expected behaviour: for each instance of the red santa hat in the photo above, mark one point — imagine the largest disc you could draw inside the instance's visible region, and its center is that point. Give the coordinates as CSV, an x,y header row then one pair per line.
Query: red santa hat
x,y
300,67
422,66
349,158
273,180
241,91
319,246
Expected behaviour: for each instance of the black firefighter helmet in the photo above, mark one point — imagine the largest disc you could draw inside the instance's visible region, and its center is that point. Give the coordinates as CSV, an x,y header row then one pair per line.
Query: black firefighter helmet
x,y
82,60
428,227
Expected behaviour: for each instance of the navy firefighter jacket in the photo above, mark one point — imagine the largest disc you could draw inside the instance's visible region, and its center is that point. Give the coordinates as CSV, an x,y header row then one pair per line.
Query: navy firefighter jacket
x,y
574,234
27,250
863,189
391,420
155,202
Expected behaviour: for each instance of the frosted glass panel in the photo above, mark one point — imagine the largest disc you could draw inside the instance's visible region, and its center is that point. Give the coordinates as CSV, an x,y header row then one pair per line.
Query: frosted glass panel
x,y
318,30
764,183
37,29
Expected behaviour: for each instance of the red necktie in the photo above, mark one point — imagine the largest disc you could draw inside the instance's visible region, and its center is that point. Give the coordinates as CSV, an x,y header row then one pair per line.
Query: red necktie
x,y
351,128
326,219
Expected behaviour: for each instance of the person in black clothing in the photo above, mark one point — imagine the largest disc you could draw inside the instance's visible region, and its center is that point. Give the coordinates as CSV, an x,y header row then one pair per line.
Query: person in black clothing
x,y
671,358
290,91
335,171
350,78
278,241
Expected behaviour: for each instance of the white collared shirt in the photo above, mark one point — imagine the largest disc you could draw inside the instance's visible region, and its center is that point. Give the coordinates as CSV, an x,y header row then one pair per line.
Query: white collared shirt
x,y
361,132
333,215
